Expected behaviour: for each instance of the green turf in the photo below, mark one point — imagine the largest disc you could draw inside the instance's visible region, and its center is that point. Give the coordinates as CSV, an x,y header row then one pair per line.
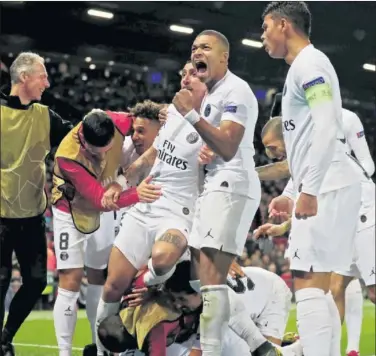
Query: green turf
x,y
39,330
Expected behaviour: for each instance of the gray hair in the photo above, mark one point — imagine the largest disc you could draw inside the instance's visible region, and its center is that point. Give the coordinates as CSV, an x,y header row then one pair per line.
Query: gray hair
x,y
23,63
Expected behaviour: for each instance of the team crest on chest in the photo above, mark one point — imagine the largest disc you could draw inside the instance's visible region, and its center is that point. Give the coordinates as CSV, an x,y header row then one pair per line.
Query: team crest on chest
x,y
192,137
207,110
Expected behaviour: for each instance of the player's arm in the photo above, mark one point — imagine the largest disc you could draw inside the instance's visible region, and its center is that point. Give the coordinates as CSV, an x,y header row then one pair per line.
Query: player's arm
x,y
274,171
90,188
359,145
141,166
59,128
317,89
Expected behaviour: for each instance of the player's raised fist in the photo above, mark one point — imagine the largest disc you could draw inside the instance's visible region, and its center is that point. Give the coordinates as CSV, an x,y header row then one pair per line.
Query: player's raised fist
x,y
183,101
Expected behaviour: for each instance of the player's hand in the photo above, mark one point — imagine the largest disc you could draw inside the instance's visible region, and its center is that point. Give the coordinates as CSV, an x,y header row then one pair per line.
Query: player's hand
x,y
306,206
137,296
280,206
111,196
183,101
206,155
236,270
148,193
162,116
269,230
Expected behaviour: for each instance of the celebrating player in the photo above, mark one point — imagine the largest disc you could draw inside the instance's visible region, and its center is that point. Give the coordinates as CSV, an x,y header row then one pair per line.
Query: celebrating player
x,y
145,126
87,157
232,189
158,229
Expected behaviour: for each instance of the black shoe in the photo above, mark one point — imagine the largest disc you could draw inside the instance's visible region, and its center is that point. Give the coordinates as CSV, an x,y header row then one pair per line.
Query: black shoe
x,y
267,349
91,350
7,350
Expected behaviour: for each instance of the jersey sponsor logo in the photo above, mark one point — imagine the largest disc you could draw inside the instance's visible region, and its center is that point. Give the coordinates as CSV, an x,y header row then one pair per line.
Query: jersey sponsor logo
x,y
192,137
231,108
207,110
166,155
288,125
360,134
316,81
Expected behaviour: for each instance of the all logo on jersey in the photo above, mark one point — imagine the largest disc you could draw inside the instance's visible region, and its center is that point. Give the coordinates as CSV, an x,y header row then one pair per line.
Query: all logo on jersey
x,y
231,108
316,81
192,137
207,110
64,256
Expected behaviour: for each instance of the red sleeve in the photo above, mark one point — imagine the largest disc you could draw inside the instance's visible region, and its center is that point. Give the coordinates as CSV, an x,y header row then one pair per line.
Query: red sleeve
x,y
90,188
122,121
158,338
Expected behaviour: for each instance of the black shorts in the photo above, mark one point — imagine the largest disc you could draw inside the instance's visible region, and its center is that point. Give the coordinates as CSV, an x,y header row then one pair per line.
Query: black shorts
x,y
27,238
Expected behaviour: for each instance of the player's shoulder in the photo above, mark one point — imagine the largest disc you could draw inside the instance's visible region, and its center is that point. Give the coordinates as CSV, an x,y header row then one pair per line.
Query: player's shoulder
x,y
234,82
312,58
350,115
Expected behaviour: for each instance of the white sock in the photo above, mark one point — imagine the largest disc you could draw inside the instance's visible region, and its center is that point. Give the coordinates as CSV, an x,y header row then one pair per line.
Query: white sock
x,y
93,295
151,278
314,321
214,318
336,325
353,314
65,318
103,311
241,323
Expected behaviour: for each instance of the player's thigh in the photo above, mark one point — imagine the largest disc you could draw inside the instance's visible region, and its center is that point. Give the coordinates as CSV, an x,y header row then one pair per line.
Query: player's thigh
x,y
135,240
31,249
314,242
225,220
68,242
98,246
272,322
365,247
178,350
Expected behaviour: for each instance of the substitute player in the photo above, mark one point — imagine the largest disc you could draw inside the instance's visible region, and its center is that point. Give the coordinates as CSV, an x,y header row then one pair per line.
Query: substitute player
x,y
323,180
231,196
145,126
158,229
87,157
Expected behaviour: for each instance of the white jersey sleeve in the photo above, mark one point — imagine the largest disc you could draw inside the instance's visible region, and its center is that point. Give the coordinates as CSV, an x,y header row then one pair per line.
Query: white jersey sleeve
x,y
357,142
129,154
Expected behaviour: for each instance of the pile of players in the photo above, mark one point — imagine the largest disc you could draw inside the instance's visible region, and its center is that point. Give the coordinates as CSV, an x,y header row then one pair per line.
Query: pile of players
x,y
182,195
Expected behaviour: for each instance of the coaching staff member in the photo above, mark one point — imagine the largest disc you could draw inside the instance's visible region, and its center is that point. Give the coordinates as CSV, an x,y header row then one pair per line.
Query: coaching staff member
x,y
28,132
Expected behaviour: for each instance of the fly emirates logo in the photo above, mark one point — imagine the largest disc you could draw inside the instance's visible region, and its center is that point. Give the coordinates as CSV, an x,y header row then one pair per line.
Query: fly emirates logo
x,y
166,154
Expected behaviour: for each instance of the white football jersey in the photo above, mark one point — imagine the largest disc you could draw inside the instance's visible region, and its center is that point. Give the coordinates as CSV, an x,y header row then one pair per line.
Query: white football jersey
x,y
129,154
176,168
356,142
231,99
310,70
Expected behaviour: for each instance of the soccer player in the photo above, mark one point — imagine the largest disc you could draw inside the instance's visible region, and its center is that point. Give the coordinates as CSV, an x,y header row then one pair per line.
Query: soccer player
x,y
231,196
323,181
29,131
267,299
145,126
87,159
159,229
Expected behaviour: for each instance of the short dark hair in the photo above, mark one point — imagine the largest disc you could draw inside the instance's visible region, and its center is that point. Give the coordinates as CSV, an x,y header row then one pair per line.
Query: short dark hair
x,y
273,125
179,281
147,109
295,11
114,336
220,36
98,128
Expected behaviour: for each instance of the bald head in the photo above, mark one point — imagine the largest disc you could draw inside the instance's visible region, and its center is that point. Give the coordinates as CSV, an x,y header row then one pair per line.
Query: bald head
x,y
273,127
272,138
222,39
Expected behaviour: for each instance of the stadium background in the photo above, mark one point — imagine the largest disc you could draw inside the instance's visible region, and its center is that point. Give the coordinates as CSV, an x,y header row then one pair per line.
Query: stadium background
x,y
131,53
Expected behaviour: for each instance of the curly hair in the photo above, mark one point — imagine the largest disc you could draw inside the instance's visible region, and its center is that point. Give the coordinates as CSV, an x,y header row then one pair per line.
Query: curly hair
x,y
147,109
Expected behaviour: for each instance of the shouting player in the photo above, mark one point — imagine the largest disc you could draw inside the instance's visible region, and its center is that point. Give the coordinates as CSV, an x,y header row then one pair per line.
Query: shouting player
x,y
231,196
87,157
158,229
323,181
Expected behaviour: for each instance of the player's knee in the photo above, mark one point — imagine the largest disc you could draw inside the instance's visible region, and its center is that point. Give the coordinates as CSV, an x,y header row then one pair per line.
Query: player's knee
x,y
165,257
95,276
70,279
372,293
114,336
